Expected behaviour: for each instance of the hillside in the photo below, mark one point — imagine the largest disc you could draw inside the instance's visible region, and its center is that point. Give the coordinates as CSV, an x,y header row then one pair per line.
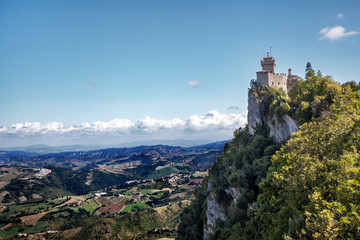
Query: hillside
x,y
142,209
89,159
265,186
82,172
131,193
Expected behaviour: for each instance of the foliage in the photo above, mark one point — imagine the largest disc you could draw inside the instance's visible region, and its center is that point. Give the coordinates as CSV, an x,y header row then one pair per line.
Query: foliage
x,y
309,71
139,225
166,171
275,101
193,217
104,179
134,207
313,97
159,184
312,190
62,182
308,98
91,205
242,165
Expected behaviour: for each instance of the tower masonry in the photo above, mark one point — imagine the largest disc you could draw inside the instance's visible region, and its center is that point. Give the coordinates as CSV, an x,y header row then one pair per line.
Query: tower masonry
x,y
268,77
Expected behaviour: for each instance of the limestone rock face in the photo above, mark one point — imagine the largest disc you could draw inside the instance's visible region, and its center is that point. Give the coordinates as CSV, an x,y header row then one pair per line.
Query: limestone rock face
x,y
214,210
283,128
256,112
233,192
280,128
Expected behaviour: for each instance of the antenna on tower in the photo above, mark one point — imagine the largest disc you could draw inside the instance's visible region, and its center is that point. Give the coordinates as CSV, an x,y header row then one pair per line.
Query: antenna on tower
x,y
270,50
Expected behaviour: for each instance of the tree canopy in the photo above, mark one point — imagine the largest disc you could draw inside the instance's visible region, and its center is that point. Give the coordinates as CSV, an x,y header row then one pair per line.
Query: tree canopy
x,y
312,189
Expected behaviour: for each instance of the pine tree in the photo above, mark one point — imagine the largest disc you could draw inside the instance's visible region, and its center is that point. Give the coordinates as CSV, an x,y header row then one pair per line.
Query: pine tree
x,y
309,71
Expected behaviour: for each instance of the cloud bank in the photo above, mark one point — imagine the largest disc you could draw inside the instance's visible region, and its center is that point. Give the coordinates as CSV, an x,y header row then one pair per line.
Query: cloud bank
x,y
335,33
211,121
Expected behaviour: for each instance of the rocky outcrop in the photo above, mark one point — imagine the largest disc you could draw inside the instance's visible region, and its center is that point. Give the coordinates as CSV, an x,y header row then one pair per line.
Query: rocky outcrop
x,y
280,127
214,211
233,192
256,112
43,172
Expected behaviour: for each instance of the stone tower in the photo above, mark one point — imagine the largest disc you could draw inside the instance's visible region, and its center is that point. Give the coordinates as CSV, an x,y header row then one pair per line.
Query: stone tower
x,y
268,77
268,64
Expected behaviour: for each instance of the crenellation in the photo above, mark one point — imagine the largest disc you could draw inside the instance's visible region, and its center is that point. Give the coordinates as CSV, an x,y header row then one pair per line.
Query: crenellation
x,y
268,77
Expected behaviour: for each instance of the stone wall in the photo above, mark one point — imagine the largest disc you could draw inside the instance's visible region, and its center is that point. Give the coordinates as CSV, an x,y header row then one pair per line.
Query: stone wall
x,y
262,78
278,80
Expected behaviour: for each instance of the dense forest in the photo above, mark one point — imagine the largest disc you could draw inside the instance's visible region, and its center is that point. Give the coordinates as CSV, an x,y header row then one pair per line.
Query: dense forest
x,y
305,188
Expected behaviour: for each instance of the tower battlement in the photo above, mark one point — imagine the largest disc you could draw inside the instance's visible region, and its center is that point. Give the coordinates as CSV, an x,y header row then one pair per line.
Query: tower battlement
x,y
268,64
268,77
269,73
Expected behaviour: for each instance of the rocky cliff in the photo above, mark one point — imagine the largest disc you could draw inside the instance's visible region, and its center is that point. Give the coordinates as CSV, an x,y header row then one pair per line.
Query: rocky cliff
x,y
214,210
280,127
240,199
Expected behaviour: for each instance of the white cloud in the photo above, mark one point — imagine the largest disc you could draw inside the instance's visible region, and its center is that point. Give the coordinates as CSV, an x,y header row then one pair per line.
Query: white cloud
x,y
213,120
149,124
113,125
194,83
90,85
335,33
339,16
27,128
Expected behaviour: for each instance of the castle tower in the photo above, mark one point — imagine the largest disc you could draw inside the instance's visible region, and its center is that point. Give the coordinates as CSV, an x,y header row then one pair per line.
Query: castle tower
x,y
268,64
268,77
291,80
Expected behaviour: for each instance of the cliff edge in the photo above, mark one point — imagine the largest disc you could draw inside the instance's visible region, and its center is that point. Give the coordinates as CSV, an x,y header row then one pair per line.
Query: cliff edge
x,y
281,127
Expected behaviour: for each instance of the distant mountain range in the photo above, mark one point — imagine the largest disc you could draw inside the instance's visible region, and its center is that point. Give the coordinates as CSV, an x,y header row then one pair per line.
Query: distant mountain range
x,y
44,149
108,156
78,172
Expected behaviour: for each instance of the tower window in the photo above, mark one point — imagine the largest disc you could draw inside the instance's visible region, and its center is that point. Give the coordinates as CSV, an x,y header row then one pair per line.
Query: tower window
x,y
272,83
278,83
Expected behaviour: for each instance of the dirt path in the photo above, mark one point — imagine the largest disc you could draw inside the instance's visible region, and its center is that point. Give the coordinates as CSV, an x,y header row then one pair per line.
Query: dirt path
x,y
72,200
6,226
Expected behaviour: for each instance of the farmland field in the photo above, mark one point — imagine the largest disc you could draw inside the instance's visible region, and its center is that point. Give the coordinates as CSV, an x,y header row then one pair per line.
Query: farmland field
x,y
135,206
91,205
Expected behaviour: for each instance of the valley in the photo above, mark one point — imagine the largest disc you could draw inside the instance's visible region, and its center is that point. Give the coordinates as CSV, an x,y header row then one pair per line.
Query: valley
x,y
135,193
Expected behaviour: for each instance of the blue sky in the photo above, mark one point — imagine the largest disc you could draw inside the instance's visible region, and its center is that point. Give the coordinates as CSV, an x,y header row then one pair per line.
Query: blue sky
x,y
118,71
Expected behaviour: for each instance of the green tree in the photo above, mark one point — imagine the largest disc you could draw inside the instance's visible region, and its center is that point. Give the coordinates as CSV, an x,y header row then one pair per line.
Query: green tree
x,y
312,189
243,164
309,72
319,74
